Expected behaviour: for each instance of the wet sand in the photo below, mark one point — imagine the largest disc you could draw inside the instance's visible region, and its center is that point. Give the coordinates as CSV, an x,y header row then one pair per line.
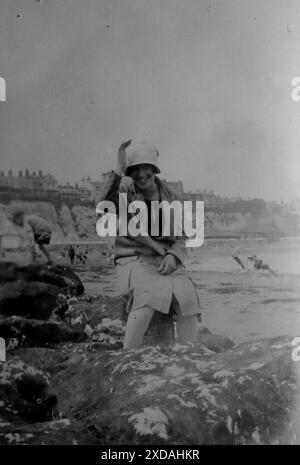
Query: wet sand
x,y
249,304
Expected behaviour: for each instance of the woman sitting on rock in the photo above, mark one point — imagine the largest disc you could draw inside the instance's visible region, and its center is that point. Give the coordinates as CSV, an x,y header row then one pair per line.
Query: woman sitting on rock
x,y
150,268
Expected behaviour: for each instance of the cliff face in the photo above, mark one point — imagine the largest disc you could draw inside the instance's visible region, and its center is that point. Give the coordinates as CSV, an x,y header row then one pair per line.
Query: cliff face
x,y
78,223
226,223
68,224
85,222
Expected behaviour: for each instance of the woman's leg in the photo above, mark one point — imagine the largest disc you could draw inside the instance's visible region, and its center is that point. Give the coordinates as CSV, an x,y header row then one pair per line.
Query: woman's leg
x,y
187,327
137,324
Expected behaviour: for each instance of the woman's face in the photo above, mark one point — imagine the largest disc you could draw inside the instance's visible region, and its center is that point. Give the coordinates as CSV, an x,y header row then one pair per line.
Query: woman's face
x,y
142,176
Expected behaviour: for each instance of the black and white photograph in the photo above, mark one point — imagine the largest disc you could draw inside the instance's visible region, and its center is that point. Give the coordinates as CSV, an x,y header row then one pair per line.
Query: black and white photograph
x,y
149,226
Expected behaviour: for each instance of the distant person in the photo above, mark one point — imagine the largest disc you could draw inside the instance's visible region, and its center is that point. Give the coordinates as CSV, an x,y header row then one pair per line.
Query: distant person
x,y
85,255
238,260
39,228
71,253
235,253
260,265
78,254
62,254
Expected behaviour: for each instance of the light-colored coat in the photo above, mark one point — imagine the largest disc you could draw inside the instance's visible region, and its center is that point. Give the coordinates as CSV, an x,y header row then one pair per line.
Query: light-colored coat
x,y
126,246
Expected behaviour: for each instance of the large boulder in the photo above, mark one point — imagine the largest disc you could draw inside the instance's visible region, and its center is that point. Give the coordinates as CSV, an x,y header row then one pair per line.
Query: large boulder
x,y
36,291
29,299
29,414
18,331
24,393
56,275
214,342
185,394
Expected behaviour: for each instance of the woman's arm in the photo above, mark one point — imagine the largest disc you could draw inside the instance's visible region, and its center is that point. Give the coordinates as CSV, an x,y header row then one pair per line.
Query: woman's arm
x,y
111,186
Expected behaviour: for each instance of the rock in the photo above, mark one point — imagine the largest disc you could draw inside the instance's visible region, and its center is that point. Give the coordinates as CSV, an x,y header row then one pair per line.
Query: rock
x,y
69,280
160,330
27,409
36,291
32,295
46,359
34,333
111,326
109,333
185,394
214,342
29,299
94,312
56,275
62,432
23,393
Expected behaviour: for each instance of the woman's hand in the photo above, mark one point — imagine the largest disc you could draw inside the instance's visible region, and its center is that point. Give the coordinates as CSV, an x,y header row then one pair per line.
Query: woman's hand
x,y
168,265
121,161
127,186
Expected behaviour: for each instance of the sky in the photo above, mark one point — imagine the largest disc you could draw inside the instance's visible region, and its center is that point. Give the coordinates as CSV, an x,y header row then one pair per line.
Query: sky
x,y
207,81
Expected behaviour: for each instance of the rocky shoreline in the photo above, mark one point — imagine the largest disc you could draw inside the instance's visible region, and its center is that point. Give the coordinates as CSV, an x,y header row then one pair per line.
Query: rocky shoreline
x,y
67,380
